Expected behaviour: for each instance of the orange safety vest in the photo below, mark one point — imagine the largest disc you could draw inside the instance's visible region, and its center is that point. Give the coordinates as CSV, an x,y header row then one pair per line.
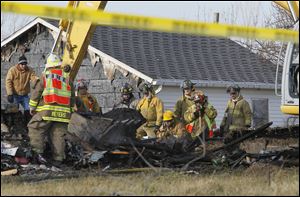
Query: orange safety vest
x,y
56,87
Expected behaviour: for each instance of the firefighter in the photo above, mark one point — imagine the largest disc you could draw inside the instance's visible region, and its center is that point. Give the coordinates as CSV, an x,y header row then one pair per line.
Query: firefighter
x,y
170,126
79,106
151,107
18,85
128,100
200,116
89,100
51,102
185,101
238,114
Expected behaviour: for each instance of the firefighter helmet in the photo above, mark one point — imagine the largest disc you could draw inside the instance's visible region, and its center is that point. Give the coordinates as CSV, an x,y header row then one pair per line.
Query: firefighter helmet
x,y
126,89
233,88
53,61
82,84
146,87
168,115
187,84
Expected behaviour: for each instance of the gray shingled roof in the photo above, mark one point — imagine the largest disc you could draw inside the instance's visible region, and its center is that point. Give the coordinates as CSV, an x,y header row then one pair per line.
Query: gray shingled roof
x,y
171,56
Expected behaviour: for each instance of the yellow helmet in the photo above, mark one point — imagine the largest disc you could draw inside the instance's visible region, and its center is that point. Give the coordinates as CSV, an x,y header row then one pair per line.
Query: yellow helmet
x,y
168,115
53,60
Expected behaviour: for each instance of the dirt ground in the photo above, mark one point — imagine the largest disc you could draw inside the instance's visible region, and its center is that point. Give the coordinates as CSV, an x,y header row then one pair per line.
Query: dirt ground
x,y
260,179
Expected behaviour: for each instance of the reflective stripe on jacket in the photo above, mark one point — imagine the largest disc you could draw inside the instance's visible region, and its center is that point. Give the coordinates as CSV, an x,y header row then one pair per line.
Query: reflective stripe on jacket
x,y
197,125
50,111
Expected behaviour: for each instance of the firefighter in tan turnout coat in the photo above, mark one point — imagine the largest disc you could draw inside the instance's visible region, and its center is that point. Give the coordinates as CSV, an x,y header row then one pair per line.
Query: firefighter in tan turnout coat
x,y
50,104
238,114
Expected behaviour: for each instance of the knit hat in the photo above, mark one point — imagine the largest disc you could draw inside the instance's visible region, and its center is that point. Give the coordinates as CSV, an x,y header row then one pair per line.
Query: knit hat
x,y
22,60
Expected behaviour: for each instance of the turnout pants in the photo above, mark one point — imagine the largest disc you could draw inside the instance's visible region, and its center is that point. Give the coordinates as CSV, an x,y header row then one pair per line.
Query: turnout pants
x,y
145,131
39,129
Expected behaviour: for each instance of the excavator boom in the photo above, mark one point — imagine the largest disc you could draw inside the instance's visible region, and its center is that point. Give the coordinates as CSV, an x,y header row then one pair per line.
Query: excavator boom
x,y
78,34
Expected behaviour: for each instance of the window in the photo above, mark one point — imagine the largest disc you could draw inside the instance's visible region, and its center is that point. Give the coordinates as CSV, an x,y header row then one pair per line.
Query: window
x,y
260,111
294,73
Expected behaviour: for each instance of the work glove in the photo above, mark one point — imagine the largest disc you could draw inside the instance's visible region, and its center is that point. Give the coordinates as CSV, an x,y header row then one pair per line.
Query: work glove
x,y
10,98
32,111
78,103
202,111
199,111
156,128
196,114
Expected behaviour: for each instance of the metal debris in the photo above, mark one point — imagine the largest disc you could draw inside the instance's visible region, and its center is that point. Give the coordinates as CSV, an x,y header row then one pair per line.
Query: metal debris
x,y
8,151
96,156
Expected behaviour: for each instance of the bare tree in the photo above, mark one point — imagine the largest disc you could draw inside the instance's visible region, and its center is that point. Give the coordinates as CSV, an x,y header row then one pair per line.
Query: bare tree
x,y
280,19
201,10
254,14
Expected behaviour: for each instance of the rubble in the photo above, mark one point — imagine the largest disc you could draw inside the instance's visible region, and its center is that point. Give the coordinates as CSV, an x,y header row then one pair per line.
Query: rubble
x,y
108,144
7,149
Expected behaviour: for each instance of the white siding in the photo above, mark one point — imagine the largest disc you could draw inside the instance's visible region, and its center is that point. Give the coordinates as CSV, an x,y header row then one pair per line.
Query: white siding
x,y
218,98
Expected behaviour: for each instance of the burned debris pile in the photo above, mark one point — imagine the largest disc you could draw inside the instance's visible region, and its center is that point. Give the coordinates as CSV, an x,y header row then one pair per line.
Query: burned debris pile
x,y
108,142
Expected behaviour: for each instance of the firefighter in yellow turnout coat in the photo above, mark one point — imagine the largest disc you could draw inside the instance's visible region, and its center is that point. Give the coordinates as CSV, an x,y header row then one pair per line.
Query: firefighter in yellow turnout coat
x,y
51,106
151,107
201,116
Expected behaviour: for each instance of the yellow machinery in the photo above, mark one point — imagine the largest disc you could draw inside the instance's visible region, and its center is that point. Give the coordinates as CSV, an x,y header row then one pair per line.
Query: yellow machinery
x,y
290,74
79,34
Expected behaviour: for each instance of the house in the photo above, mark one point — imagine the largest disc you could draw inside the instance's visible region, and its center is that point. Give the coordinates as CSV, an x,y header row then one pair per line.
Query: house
x,y
116,56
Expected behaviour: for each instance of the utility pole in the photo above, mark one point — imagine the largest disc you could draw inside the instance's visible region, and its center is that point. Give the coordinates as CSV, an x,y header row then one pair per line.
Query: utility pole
x,y
216,17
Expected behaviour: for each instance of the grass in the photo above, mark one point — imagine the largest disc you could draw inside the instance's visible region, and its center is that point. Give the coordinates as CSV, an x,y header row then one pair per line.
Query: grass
x,y
256,180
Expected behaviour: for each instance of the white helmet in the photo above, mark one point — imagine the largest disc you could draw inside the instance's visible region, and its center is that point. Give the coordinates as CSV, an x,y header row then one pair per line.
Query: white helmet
x,y
53,60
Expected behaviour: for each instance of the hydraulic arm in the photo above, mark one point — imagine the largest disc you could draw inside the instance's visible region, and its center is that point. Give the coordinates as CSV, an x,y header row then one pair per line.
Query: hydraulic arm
x,y
78,34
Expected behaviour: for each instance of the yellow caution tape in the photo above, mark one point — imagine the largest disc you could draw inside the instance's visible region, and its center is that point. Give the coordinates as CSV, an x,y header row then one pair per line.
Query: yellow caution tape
x,y
151,23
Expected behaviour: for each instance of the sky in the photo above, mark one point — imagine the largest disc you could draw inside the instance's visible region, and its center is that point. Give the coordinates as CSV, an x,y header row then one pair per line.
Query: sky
x,y
187,10
245,12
